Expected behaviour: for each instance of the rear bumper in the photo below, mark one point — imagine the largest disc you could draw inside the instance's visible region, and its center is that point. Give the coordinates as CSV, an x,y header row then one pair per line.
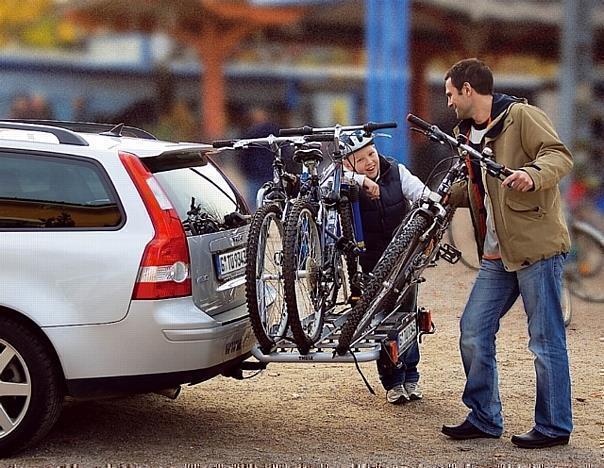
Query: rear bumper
x,y
156,337
117,386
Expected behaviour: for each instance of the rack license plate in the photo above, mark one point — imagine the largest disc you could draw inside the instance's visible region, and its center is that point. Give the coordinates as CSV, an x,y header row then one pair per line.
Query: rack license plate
x,y
228,263
406,336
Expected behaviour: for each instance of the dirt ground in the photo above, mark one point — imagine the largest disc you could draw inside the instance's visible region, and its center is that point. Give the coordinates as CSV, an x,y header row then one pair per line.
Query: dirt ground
x,y
315,414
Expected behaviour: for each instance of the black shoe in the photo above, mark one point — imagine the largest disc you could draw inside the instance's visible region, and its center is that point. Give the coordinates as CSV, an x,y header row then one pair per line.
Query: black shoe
x,y
466,430
534,439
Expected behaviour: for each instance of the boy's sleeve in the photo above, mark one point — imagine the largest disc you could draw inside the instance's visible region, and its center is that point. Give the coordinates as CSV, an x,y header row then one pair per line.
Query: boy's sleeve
x,y
413,188
358,178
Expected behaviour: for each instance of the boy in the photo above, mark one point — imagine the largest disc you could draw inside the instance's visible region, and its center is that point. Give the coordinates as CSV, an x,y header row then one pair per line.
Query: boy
x,y
388,189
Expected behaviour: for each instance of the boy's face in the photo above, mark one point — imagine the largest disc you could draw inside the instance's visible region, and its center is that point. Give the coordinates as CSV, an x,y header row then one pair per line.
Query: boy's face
x,y
364,161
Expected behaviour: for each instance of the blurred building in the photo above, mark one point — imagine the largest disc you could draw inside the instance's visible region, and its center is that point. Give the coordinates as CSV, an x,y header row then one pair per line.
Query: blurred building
x,y
312,71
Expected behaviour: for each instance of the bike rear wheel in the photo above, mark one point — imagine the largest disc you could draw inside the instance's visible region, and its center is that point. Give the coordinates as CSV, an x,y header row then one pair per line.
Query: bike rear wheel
x,y
376,296
352,259
584,269
302,275
263,277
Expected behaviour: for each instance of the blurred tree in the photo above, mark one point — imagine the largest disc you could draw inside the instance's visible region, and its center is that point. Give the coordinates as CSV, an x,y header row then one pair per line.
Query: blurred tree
x,y
35,23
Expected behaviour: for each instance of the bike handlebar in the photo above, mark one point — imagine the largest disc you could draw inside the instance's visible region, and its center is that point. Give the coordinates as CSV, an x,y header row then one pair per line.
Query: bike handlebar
x,y
306,130
432,131
270,140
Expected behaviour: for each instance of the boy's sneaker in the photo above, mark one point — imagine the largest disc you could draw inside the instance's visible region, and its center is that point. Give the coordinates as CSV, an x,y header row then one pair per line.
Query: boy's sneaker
x,y
414,391
397,395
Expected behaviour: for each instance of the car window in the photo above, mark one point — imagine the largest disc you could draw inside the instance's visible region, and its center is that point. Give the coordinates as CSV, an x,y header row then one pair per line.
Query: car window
x,y
211,191
50,192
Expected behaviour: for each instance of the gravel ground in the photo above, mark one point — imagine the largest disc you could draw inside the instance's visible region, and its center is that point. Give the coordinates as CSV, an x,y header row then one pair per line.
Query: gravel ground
x,y
312,414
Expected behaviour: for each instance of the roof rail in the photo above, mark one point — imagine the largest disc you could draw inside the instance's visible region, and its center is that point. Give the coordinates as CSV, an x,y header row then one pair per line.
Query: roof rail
x,y
89,127
64,135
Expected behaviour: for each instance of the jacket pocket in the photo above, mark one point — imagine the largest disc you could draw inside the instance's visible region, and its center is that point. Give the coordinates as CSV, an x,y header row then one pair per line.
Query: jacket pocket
x,y
525,208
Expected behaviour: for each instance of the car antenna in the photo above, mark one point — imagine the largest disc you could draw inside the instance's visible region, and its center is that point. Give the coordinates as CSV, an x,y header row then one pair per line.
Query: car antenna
x,y
115,131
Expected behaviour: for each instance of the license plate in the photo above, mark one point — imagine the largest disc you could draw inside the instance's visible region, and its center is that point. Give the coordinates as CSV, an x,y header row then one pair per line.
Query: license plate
x,y
230,262
406,336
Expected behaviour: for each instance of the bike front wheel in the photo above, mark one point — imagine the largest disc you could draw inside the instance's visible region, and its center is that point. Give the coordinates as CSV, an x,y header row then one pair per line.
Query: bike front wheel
x,y
377,295
460,235
263,275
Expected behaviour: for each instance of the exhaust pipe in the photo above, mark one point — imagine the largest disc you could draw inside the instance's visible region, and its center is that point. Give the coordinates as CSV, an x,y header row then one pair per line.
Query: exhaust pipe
x,y
171,393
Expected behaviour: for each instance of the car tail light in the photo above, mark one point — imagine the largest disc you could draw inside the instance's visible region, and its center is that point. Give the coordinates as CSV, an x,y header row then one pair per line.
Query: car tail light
x,y
164,271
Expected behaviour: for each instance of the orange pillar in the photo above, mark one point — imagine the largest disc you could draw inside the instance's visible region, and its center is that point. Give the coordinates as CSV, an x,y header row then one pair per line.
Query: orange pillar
x,y
214,47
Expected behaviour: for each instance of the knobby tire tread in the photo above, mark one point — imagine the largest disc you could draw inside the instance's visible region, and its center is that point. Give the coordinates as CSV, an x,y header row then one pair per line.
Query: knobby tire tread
x,y
397,247
265,342
347,223
302,340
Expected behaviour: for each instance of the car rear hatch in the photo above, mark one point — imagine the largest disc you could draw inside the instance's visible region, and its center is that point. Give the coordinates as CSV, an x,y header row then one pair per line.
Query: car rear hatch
x,y
214,217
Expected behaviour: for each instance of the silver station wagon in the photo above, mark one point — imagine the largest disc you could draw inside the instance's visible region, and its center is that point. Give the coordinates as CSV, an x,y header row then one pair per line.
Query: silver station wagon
x,y
122,269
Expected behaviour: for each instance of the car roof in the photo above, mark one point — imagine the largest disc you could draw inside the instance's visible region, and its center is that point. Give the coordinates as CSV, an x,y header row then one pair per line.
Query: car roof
x,y
59,136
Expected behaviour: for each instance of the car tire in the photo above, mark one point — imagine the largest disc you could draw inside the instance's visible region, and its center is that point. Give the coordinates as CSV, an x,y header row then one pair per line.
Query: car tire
x,y
31,394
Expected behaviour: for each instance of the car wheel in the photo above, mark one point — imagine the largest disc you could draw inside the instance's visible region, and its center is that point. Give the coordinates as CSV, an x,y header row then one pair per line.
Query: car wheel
x,y
30,391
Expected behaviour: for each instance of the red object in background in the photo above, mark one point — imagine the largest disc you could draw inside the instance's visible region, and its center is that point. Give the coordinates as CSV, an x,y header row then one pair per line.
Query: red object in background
x,y
577,192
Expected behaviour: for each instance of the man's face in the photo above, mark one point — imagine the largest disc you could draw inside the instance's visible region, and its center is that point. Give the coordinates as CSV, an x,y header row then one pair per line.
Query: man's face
x,y
459,100
364,161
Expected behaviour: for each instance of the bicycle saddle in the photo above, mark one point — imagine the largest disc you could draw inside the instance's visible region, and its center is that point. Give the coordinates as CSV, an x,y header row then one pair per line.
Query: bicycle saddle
x,y
309,152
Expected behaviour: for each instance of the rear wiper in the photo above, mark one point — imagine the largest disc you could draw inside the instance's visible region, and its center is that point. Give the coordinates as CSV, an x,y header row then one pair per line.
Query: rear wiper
x,y
236,219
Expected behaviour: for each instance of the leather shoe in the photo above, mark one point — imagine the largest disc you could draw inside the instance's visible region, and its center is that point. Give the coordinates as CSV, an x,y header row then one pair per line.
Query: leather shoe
x,y
535,439
466,430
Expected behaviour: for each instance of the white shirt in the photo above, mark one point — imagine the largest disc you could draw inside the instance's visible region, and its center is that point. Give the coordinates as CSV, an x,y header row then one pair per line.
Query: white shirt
x,y
412,187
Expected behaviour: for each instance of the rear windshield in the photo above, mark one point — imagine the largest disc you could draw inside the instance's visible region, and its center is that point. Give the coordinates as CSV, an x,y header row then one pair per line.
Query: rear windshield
x,y
204,187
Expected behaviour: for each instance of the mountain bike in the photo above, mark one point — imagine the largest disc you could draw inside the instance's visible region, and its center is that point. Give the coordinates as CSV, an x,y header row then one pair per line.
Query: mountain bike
x,y
322,231
264,250
584,269
416,245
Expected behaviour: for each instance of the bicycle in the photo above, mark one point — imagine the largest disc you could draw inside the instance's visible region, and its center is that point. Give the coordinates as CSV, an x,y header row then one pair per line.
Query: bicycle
x,y
584,272
264,251
320,229
416,245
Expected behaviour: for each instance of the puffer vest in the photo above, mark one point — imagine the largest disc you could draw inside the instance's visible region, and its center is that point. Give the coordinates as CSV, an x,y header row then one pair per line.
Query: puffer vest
x,y
381,217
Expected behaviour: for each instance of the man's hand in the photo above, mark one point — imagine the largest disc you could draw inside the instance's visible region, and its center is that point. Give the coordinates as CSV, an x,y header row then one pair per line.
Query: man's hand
x,y
519,181
372,189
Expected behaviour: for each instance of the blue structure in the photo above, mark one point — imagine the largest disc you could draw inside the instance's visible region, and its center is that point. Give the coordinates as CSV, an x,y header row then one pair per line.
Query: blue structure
x,y
387,38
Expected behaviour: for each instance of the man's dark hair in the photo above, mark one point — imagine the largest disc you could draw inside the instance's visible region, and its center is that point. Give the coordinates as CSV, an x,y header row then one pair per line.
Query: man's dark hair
x,y
473,71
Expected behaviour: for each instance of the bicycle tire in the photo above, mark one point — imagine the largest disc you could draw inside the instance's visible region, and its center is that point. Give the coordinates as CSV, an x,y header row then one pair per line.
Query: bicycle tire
x,y
465,257
566,303
269,323
301,220
403,244
584,270
347,225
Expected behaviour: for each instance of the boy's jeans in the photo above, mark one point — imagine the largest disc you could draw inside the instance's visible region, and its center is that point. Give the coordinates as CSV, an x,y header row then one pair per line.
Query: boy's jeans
x,y
406,373
494,292
391,377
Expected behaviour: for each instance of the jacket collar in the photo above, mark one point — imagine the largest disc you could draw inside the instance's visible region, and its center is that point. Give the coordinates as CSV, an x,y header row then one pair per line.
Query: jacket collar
x,y
385,166
502,104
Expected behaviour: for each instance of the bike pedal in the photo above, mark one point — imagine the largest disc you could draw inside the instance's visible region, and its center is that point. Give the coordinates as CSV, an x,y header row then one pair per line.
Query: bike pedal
x,y
449,253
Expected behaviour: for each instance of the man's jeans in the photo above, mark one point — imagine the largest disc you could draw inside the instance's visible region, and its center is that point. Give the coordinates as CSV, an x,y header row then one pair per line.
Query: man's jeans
x,y
494,292
407,372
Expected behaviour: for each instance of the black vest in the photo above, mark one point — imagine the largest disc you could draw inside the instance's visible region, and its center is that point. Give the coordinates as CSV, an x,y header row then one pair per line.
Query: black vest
x,y
381,217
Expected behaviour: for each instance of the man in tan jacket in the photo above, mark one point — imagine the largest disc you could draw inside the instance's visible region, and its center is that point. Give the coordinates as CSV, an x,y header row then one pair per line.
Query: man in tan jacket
x,y
522,240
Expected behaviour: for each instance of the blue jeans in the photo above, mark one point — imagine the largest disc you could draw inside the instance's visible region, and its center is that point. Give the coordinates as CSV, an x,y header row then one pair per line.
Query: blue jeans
x,y
407,372
493,293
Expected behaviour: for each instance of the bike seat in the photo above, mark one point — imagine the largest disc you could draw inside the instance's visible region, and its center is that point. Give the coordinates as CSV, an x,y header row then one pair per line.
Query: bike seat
x,y
309,152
